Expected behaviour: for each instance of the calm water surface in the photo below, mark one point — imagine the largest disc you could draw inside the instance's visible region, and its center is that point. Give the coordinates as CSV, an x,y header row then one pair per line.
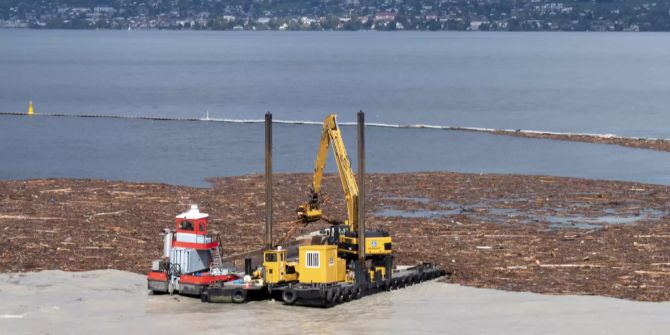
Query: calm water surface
x,y
187,152
604,83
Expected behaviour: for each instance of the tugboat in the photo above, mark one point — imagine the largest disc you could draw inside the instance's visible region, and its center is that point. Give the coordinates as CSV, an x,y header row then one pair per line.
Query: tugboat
x,y
191,258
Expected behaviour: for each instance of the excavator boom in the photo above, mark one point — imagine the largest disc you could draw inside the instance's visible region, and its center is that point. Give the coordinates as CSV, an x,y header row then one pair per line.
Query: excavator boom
x,y
332,137
378,244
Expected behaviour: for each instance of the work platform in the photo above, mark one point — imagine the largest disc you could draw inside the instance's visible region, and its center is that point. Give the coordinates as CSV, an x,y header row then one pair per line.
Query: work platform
x,y
318,295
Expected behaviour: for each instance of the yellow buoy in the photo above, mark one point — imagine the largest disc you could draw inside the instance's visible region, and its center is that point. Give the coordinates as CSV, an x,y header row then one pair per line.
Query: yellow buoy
x,y
30,108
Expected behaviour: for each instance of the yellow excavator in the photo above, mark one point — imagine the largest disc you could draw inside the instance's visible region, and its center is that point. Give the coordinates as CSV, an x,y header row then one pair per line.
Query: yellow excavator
x,y
378,244
330,269
342,238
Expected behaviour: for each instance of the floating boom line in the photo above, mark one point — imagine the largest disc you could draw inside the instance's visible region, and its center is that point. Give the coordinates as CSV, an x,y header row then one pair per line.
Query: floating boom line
x,y
659,144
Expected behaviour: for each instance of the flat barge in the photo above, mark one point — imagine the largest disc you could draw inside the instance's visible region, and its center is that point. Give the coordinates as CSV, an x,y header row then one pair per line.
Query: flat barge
x,y
318,295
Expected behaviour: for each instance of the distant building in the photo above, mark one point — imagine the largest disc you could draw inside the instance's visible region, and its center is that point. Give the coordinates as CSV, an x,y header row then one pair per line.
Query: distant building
x,y
385,17
474,25
432,17
104,9
13,24
81,10
632,28
307,21
184,23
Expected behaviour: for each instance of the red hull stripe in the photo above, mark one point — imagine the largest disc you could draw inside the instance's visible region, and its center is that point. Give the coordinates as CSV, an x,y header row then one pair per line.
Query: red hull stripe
x,y
159,276
205,279
196,245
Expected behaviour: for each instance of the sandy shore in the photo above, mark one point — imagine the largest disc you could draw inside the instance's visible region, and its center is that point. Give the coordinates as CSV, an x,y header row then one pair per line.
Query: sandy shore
x,y
116,302
520,233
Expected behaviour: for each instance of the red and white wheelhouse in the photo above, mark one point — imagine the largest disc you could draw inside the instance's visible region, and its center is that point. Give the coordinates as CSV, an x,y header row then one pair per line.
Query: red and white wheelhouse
x,y
191,257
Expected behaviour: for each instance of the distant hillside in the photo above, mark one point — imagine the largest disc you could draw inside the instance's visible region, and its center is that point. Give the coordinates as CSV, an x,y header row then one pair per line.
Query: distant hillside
x,y
507,15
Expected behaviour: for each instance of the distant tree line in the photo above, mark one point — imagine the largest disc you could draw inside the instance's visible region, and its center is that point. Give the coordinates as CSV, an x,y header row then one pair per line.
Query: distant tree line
x,y
510,15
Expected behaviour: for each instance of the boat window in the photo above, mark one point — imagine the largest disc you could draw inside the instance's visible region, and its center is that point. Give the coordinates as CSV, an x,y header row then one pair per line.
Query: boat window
x,y
270,257
186,225
201,228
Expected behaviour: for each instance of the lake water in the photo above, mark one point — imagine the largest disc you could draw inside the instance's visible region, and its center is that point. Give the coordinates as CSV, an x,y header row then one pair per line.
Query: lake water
x,y
547,81
187,152
602,83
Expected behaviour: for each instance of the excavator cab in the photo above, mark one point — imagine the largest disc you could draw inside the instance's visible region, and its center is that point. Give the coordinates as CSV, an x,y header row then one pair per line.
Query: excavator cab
x,y
334,232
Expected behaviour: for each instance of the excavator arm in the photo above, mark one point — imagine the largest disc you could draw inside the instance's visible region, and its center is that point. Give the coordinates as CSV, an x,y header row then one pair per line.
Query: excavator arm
x,y
378,244
311,210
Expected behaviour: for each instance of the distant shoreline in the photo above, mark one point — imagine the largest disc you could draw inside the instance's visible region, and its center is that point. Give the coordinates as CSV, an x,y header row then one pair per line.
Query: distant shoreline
x,y
344,31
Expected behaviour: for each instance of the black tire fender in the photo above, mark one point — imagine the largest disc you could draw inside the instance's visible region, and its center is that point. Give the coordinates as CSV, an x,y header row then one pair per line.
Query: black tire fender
x,y
356,293
387,285
239,296
330,295
337,296
289,296
346,294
